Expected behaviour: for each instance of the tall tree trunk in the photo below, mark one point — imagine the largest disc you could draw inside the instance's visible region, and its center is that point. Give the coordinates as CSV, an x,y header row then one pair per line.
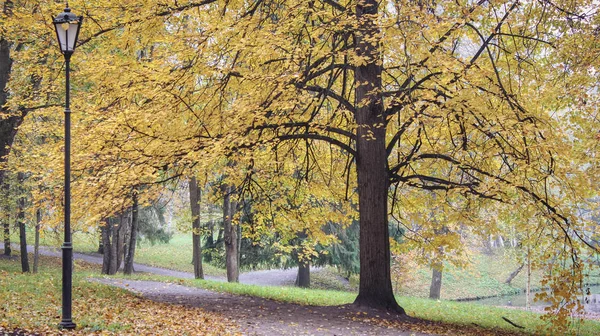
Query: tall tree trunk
x,y
106,231
6,223
8,128
121,233
197,248
230,238
9,122
114,243
21,221
528,289
36,246
435,289
375,288
303,277
130,251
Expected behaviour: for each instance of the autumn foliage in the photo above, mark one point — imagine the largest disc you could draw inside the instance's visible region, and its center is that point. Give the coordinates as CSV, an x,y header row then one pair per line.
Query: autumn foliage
x,y
459,120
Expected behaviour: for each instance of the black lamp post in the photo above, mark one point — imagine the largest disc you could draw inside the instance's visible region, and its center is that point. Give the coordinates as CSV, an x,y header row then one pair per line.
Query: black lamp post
x,y
67,27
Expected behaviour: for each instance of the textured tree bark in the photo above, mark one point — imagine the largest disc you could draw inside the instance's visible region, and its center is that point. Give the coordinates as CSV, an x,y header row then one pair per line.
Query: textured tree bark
x,y
6,221
106,232
36,246
197,247
303,277
130,250
8,128
121,233
435,290
230,238
8,122
114,242
22,232
375,288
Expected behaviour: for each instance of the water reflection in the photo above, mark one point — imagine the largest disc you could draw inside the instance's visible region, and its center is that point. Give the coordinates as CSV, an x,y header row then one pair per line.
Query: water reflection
x,y
591,301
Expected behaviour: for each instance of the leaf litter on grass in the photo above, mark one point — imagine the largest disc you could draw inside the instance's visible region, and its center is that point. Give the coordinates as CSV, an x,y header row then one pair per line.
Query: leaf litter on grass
x,y
30,304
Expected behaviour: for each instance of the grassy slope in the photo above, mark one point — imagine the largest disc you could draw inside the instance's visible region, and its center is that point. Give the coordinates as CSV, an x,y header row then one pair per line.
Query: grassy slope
x,y
483,278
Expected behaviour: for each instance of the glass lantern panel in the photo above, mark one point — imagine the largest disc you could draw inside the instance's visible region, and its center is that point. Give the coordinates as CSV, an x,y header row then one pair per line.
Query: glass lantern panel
x,y
62,36
72,35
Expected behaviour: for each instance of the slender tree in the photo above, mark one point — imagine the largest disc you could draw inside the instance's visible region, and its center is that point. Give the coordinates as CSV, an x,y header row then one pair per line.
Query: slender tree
x,y
21,222
106,232
131,243
195,195
230,233
36,246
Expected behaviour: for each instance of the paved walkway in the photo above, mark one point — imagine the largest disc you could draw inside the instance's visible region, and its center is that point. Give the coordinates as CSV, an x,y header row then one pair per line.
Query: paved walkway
x,y
263,278
257,316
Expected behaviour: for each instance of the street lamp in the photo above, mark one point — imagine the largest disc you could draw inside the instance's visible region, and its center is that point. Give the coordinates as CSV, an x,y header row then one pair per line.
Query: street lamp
x,y
67,27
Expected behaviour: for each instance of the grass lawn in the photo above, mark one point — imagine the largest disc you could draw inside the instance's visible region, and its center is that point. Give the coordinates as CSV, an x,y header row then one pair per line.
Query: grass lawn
x,y
458,314
32,302
176,255
484,277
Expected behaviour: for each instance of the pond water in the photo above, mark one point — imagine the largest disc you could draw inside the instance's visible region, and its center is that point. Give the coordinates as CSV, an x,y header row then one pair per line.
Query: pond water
x,y
591,304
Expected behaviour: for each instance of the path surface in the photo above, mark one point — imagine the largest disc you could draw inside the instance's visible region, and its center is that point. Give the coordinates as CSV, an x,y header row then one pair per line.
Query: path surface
x,y
263,278
256,316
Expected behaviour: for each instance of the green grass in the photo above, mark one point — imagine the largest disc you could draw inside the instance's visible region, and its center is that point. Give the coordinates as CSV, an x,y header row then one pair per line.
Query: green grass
x,y
484,277
458,313
38,290
176,255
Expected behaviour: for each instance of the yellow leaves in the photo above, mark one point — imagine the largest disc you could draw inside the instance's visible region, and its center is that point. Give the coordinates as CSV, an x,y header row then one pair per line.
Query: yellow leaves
x,y
101,308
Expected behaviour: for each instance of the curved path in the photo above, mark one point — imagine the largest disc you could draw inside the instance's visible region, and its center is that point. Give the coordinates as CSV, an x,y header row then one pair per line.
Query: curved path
x,y
254,316
257,316
264,278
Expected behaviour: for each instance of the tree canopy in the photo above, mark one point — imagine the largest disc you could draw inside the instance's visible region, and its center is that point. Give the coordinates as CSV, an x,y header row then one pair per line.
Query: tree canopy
x,y
478,116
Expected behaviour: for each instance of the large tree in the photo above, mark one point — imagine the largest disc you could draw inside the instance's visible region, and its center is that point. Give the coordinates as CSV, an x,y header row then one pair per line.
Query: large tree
x,y
471,100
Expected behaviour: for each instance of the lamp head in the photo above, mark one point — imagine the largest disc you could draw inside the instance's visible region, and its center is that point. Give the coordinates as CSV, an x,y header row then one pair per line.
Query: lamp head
x,y
67,27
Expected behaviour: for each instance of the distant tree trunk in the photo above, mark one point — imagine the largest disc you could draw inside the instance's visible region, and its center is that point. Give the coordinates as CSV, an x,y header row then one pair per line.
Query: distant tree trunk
x,y
106,231
22,232
6,233
528,289
100,244
114,250
231,243
239,246
513,274
6,216
303,277
197,248
36,246
130,251
500,241
435,290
